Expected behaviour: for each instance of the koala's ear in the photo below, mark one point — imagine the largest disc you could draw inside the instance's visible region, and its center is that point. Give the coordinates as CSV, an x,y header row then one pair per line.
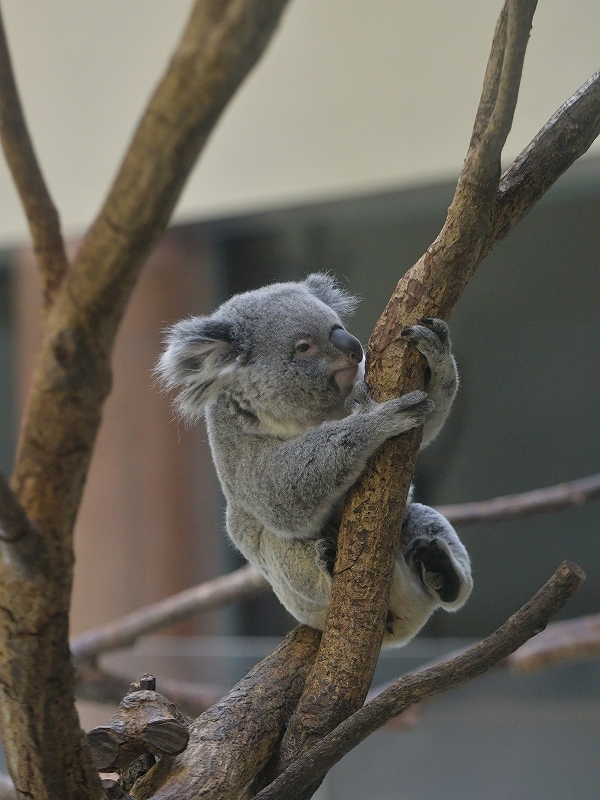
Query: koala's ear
x,y
199,356
331,293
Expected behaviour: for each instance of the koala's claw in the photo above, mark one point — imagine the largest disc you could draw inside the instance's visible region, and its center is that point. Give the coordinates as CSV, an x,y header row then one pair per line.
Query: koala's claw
x,y
430,337
434,568
438,326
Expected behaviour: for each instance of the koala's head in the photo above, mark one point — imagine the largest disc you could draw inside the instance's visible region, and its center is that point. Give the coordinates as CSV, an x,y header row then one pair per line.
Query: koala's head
x,y
281,352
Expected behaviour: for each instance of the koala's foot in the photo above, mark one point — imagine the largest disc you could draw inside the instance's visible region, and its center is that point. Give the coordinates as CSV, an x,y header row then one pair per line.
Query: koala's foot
x,y
433,566
436,557
326,549
430,337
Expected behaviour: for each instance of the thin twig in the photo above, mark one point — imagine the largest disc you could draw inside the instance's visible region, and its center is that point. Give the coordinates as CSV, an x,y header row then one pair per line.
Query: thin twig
x,y
40,211
550,498
410,689
244,582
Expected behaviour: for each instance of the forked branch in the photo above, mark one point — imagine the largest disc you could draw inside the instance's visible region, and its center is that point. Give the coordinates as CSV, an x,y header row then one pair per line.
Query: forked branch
x,y
40,211
72,374
368,537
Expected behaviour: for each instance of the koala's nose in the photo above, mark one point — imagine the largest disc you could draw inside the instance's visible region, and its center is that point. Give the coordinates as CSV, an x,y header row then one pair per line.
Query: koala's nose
x,y
348,344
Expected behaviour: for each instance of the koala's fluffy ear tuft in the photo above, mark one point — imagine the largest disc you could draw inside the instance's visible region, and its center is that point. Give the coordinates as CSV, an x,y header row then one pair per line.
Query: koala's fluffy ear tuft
x,y
331,293
199,356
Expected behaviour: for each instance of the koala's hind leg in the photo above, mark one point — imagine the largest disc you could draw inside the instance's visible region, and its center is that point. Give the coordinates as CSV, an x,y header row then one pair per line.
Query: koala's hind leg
x,y
432,340
436,556
432,571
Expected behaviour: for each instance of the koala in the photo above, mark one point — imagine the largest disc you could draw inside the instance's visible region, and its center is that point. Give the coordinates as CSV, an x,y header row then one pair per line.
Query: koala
x,y
280,382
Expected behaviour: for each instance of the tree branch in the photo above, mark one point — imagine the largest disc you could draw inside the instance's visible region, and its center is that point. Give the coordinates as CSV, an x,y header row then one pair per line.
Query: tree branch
x,y
233,740
566,136
312,767
369,533
40,211
72,376
244,582
551,498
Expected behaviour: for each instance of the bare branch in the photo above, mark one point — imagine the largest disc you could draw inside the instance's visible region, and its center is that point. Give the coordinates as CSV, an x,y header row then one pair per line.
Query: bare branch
x,y
573,640
551,498
564,138
312,767
244,582
40,211
72,377
368,537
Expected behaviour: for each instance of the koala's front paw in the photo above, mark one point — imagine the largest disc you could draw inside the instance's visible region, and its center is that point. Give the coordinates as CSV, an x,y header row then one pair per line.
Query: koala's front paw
x,y
415,406
358,399
430,337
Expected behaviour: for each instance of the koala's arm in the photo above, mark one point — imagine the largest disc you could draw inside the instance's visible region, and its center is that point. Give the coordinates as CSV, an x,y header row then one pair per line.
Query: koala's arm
x,y
292,486
431,338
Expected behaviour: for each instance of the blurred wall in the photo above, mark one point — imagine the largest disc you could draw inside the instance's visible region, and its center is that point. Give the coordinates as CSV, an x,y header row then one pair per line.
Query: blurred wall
x,y
351,96
150,518
525,334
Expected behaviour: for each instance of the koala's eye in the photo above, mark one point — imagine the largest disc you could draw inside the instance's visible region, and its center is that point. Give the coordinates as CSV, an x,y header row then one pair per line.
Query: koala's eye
x,y
303,346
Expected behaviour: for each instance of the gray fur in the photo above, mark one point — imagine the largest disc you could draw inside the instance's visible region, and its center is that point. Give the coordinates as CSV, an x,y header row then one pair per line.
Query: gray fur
x,y
291,427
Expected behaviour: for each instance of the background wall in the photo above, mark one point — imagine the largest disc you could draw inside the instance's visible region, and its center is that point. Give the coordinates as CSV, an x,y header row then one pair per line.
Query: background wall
x,y
352,96
525,334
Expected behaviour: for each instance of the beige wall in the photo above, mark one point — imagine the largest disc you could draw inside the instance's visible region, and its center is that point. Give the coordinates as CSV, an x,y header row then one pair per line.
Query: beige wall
x,y
353,95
